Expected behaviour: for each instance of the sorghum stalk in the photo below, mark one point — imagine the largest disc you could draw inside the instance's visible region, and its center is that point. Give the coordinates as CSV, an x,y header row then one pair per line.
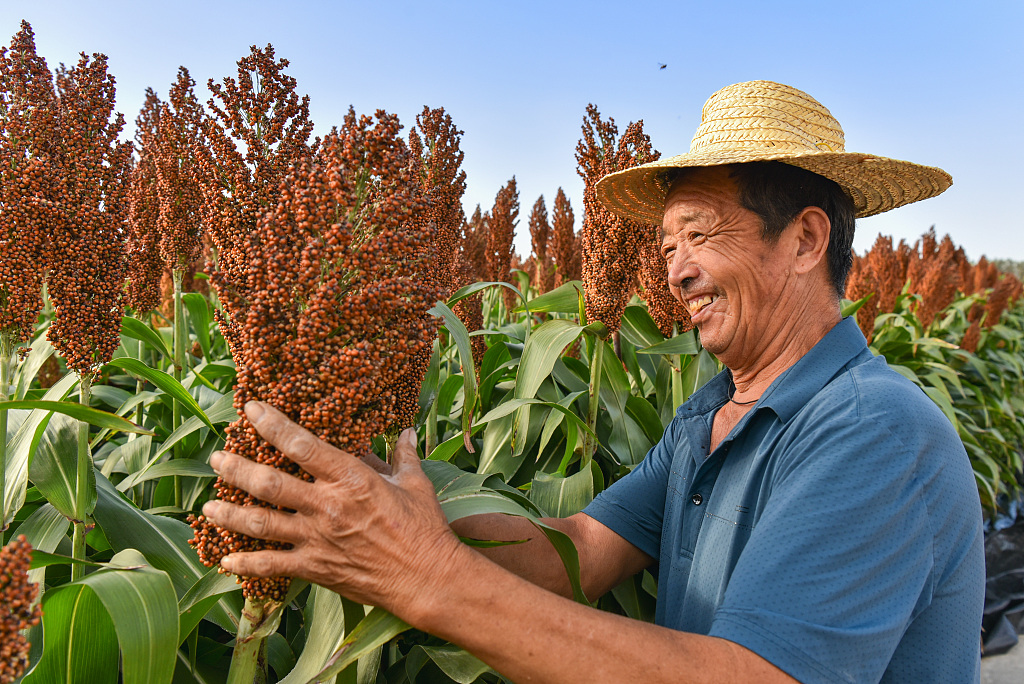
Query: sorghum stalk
x,y
81,485
594,402
7,341
179,369
248,658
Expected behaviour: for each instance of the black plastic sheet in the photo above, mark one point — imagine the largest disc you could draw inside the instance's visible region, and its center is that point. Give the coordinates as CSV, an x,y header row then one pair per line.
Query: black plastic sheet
x,y
1003,619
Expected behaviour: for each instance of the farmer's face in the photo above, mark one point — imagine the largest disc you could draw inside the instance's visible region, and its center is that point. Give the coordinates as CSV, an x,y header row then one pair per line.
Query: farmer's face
x,y
718,265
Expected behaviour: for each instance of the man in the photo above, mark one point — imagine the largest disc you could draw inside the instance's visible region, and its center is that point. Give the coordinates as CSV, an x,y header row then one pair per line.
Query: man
x,y
811,515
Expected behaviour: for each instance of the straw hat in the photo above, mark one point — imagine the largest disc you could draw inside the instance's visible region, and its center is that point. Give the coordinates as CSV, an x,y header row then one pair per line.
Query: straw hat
x,y
763,121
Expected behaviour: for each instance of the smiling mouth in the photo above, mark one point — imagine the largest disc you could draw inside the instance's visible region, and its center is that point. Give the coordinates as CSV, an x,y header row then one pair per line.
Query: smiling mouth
x,y
698,304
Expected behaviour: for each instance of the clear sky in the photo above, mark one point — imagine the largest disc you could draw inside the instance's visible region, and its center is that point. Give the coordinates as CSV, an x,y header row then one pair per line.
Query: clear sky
x,y
935,82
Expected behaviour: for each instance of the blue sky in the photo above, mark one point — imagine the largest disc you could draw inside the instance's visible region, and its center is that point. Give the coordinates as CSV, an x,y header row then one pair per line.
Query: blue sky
x,y
939,83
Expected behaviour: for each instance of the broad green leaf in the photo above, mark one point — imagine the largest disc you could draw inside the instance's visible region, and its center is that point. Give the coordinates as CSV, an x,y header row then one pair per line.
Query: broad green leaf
x,y
22,445
164,543
560,497
44,529
639,328
199,314
222,411
79,639
136,329
459,665
325,620
29,368
473,288
165,382
683,343
182,467
563,299
203,595
850,308
447,449
457,329
544,347
54,468
85,414
377,628
507,407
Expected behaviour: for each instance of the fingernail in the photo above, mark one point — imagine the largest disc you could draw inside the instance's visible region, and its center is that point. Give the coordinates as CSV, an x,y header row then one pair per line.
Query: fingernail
x,y
409,435
226,562
254,411
210,509
215,461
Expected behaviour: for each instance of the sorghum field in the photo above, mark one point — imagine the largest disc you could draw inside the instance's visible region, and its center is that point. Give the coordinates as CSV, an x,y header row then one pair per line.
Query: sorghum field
x,y
148,289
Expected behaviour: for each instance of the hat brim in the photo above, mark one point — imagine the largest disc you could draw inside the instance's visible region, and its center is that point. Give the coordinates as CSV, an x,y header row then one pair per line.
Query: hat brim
x,y
875,184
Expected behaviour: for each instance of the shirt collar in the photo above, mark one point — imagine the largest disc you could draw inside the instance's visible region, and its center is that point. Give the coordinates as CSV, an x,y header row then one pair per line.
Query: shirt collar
x,y
789,392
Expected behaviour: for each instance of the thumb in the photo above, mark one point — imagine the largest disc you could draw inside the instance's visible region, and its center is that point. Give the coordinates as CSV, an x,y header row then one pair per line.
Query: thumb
x,y
405,461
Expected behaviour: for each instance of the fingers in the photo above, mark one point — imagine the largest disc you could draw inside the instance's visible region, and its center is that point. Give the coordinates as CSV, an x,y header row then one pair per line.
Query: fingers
x,y
316,457
262,481
255,521
405,463
263,564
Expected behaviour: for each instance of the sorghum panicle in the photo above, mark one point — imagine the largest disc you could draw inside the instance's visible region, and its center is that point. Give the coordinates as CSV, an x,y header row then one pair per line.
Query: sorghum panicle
x,y
540,239
667,311
145,267
475,234
179,223
91,169
18,610
259,130
565,247
339,301
27,115
611,245
501,227
437,160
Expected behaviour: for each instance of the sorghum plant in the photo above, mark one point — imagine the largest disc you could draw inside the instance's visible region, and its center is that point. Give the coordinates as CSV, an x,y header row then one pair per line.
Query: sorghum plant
x,y
145,267
540,237
610,244
87,261
339,299
18,609
668,312
565,246
475,237
501,225
258,131
27,112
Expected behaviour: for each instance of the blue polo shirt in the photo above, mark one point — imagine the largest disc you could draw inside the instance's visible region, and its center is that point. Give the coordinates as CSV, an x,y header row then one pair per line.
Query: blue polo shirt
x,y
836,531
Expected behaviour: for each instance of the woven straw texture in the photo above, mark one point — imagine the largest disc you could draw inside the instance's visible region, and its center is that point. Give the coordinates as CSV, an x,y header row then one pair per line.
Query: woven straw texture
x,y
766,121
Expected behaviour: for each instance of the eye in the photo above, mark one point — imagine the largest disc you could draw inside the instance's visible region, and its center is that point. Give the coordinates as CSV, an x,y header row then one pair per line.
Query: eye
x,y
694,236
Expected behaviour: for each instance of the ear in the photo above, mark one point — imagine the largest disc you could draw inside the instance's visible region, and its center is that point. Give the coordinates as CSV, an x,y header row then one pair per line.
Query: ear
x,y
811,230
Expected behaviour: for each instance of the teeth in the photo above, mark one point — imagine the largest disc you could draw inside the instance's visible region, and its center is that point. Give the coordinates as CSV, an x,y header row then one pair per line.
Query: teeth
x,y
698,304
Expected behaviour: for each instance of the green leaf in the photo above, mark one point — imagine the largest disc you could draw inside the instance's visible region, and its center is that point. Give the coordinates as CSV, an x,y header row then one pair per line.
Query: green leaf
x,y
22,445
136,329
325,621
164,543
165,382
563,299
44,529
377,628
683,343
850,308
204,594
199,314
54,468
639,329
79,639
29,368
86,414
560,496
183,467
457,664
457,329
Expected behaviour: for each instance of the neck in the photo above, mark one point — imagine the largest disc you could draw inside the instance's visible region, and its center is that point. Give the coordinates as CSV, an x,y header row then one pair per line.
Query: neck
x,y
779,347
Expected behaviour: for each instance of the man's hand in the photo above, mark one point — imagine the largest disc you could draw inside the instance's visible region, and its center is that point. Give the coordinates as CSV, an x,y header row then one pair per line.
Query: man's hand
x,y
379,539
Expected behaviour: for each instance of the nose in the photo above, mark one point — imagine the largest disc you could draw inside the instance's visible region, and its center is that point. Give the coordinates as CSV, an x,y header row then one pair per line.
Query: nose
x,y
681,272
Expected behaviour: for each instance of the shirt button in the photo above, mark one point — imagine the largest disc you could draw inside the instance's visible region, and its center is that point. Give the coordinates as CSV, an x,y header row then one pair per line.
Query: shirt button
x,y
697,499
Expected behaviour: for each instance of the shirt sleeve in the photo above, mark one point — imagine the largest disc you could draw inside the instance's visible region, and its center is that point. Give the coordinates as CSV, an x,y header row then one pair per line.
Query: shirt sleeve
x,y
825,606
634,507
